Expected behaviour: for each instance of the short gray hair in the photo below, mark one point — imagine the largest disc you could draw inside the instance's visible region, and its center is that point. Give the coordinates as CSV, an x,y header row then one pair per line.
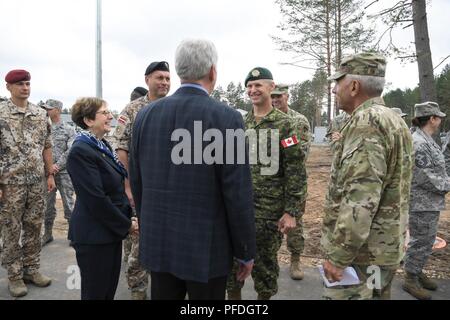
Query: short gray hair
x,y
194,58
373,86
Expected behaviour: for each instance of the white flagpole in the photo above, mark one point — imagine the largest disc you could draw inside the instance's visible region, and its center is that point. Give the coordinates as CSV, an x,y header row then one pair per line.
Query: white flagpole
x,y
99,89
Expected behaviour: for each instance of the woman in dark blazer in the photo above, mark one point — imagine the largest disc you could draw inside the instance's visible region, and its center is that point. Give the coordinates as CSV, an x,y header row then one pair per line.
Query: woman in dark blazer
x,y
101,218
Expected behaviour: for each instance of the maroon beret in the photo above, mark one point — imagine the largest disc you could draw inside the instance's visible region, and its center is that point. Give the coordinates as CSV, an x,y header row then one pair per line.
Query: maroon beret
x,y
17,75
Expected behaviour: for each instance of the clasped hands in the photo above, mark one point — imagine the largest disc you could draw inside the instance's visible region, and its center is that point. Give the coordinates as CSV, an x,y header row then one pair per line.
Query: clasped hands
x,y
134,229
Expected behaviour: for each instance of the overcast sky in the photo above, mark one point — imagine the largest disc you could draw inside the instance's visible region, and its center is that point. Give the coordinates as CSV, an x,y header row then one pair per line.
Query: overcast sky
x,y
55,41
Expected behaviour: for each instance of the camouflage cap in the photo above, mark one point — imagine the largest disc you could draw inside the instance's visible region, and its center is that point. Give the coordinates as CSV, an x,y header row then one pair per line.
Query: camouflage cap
x,y
258,73
400,112
364,64
280,89
52,104
426,109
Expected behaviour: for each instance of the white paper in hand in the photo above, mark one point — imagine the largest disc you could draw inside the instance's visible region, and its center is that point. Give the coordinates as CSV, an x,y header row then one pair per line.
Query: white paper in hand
x,y
349,278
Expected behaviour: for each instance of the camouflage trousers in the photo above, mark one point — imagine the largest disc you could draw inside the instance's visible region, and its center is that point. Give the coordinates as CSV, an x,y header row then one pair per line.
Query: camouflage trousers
x,y
137,277
65,188
21,220
265,270
295,238
369,287
422,231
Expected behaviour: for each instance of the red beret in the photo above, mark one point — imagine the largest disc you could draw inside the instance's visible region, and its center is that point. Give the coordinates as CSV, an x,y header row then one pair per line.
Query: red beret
x,y
17,75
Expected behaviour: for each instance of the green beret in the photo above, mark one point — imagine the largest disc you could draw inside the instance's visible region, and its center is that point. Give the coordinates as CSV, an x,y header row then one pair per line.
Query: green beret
x,y
363,64
258,73
280,89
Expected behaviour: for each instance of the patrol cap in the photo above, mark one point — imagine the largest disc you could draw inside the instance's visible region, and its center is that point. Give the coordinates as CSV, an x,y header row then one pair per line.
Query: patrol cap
x,y
52,104
157,66
17,75
426,109
280,89
258,73
363,64
400,112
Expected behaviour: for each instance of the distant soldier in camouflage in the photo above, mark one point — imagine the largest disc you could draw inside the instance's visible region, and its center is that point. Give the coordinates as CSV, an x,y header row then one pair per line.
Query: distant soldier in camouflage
x,y
62,137
295,237
137,93
334,134
400,112
429,185
366,207
157,78
278,197
25,151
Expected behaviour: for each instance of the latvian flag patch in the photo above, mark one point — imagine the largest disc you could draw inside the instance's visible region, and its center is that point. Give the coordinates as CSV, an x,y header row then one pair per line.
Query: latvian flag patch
x,y
122,119
289,142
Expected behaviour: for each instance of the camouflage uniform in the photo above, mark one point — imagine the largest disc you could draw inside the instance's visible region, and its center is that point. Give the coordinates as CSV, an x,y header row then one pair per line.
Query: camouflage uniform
x,y
429,185
446,152
295,238
23,137
335,126
137,277
62,138
274,195
366,206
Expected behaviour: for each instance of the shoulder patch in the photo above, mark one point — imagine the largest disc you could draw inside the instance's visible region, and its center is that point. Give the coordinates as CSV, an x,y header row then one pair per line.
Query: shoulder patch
x,y
422,160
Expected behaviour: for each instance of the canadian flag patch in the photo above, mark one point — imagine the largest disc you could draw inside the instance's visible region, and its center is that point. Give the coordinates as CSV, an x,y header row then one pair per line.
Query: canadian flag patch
x,y
288,142
123,120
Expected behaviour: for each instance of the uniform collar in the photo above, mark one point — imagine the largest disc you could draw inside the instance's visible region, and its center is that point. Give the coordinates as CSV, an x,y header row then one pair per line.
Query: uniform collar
x,y
267,118
368,104
427,137
31,109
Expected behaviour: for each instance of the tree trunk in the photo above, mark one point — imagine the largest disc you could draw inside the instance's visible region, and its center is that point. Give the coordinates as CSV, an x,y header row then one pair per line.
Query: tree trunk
x,y
338,54
328,35
427,85
423,52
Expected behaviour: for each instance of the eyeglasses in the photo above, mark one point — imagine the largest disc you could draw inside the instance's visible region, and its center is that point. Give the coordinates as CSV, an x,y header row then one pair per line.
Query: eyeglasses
x,y
105,112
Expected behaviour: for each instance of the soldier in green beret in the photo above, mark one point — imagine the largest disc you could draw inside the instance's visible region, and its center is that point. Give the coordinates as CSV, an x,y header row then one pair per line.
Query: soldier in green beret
x,y
295,238
277,196
366,207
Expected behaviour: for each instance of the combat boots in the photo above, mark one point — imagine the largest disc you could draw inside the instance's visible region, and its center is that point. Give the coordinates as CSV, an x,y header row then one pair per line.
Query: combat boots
x,y
426,282
234,294
138,295
295,271
264,296
17,288
413,287
37,279
48,236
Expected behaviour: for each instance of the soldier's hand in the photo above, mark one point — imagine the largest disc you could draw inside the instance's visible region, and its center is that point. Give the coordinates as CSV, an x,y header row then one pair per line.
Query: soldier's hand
x,y
1,193
335,136
286,223
134,229
332,273
55,169
245,269
51,185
